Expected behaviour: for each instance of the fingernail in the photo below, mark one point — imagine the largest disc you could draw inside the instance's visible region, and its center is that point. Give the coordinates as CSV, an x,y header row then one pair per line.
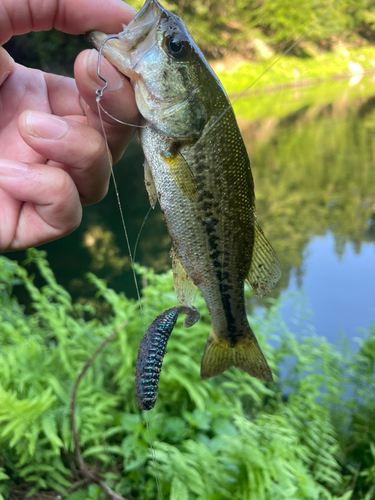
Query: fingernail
x,y
45,126
10,168
113,77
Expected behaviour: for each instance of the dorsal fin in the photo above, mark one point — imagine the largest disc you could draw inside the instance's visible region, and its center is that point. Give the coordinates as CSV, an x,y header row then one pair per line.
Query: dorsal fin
x,y
264,270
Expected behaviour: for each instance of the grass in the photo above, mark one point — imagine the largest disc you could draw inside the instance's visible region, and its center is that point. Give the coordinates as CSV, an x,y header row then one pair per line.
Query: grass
x,y
291,70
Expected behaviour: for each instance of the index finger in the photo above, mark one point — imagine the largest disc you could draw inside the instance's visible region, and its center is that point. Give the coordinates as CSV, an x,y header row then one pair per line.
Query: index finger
x,y
69,16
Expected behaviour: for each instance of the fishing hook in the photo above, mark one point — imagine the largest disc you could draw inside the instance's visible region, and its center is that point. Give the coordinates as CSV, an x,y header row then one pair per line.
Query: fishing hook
x,y
99,92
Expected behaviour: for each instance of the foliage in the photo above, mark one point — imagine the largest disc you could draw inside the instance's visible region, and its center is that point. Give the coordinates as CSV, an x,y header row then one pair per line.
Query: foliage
x,y
221,27
50,51
308,436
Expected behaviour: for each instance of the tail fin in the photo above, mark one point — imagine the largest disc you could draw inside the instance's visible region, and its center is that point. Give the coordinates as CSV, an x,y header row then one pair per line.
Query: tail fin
x,y
246,355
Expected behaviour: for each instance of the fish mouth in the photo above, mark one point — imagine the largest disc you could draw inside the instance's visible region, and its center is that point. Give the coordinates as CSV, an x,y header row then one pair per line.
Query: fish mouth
x,y
139,53
120,51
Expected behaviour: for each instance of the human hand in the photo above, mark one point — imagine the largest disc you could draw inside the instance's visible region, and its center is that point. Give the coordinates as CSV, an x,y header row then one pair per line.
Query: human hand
x,y
53,157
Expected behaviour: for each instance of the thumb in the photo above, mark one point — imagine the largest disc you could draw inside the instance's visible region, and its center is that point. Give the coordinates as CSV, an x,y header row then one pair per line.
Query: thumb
x,y
6,65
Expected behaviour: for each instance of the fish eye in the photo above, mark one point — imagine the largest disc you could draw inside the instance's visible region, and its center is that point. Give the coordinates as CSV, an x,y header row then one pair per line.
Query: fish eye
x,y
178,49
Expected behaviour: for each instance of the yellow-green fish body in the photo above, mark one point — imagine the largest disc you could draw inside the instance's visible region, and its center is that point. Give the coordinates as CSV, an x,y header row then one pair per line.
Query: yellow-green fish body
x,y
197,167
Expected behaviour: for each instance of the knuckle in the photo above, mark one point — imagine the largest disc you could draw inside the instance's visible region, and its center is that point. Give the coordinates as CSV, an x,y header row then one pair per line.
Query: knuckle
x,y
64,197
95,197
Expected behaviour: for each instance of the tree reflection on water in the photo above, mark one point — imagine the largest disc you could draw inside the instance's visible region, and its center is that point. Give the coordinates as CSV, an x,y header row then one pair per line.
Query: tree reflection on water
x,y
315,172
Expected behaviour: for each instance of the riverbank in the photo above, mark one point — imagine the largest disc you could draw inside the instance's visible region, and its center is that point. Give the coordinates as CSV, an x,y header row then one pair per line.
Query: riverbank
x,y
237,75
260,90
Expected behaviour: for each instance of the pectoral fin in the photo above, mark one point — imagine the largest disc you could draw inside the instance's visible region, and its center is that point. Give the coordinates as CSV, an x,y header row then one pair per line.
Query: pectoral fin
x,y
184,287
182,174
150,184
265,270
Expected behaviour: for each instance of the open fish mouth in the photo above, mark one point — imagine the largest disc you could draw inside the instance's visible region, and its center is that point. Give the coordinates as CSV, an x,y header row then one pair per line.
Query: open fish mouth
x,y
125,51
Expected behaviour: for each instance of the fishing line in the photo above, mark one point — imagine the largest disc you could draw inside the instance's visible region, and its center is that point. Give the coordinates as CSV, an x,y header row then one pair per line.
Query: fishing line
x,y
316,23
140,231
99,95
121,212
119,121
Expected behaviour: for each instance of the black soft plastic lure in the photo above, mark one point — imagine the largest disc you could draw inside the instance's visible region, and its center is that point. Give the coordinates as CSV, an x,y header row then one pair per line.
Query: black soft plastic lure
x,y
152,350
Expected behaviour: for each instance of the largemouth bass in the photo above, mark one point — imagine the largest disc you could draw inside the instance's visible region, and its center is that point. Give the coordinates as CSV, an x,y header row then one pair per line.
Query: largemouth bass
x,y
198,168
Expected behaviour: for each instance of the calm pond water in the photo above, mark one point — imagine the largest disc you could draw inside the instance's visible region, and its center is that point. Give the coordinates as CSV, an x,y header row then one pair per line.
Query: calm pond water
x,y
335,295
313,159
315,177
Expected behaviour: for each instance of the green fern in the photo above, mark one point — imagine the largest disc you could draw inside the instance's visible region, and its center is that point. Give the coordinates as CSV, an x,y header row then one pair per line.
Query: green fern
x,y
229,437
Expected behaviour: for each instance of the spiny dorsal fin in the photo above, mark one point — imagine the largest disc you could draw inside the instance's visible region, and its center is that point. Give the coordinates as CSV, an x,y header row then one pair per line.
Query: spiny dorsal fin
x,y
264,271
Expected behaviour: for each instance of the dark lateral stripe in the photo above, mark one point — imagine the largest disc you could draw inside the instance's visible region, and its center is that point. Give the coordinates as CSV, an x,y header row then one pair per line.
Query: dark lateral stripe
x,y
231,322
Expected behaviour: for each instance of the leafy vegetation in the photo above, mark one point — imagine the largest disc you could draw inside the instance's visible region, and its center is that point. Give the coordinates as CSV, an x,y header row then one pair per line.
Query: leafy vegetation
x,y
253,29
310,435
222,27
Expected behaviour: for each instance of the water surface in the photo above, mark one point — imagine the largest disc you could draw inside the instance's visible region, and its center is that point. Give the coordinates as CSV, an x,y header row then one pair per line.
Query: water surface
x,y
335,294
315,184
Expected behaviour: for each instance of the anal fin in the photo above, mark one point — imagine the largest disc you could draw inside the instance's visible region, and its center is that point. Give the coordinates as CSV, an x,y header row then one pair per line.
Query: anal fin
x,y
184,287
